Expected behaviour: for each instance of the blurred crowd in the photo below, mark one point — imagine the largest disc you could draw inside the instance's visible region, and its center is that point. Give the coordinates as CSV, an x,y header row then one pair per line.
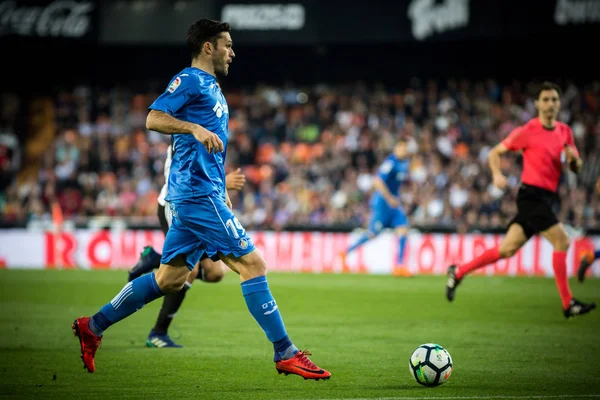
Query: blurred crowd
x,y
309,154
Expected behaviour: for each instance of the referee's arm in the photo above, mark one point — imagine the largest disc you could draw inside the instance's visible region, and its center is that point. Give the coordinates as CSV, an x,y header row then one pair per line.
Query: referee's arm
x,y
575,162
494,158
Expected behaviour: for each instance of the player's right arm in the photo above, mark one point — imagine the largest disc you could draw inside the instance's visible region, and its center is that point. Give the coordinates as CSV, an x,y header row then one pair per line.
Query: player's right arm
x,y
182,90
381,187
386,168
162,122
513,142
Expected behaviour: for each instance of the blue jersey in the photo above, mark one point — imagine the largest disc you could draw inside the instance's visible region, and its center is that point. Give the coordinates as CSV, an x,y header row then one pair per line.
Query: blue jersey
x,y
393,172
194,96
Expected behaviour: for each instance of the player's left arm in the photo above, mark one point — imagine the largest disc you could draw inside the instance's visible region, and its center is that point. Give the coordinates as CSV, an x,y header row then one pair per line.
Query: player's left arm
x,y
383,172
235,180
182,91
575,162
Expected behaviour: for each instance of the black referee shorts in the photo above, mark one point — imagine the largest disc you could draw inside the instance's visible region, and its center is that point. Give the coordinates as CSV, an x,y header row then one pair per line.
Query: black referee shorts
x,y
536,209
165,218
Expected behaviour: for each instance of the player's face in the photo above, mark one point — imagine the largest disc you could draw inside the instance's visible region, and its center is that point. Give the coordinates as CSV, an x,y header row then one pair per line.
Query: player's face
x,y
223,54
401,150
548,103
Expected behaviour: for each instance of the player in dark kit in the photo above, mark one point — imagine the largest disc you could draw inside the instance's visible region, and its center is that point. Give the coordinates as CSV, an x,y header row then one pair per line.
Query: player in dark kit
x,y
545,143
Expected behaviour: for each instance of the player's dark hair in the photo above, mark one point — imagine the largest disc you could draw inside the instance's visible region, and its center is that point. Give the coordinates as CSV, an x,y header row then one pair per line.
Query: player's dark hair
x,y
546,85
202,31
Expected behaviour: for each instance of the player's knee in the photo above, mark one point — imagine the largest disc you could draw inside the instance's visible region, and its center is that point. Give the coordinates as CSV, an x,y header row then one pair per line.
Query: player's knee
x,y
259,267
212,277
170,285
375,229
562,244
212,273
171,279
507,250
254,266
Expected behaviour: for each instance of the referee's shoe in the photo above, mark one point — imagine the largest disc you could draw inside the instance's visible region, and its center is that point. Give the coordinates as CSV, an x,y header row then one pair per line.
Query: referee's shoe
x,y
578,308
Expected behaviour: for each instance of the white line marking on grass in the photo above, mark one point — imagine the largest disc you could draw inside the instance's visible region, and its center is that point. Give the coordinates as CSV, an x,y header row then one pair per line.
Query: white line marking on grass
x,y
562,396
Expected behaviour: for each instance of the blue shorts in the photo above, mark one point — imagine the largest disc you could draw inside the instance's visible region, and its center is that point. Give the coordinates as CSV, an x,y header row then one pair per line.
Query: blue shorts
x,y
386,217
204,225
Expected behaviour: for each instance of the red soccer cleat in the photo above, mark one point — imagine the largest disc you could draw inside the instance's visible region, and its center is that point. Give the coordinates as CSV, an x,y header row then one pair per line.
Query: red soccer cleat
x,y
88,341
301,365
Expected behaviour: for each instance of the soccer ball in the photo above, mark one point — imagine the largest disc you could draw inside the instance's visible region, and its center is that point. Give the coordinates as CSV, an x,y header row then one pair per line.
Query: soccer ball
x,y
430,364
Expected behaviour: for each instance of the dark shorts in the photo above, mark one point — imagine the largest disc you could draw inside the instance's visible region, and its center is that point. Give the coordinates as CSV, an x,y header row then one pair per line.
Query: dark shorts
x,y
164,217
536,209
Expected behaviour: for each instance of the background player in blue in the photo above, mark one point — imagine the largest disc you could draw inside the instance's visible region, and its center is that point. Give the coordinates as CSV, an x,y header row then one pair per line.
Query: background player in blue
x,y
194,109
386,211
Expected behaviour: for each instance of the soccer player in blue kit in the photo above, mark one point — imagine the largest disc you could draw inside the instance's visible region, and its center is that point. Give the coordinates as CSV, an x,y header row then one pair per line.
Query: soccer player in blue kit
x,y
194,110
386,211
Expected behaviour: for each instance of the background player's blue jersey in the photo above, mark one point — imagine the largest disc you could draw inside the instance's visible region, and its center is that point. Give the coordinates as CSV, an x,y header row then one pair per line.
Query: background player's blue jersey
x,y
393,172
194,96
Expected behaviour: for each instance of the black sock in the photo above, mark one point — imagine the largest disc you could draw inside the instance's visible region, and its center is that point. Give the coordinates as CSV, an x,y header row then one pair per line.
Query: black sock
x,y
170,305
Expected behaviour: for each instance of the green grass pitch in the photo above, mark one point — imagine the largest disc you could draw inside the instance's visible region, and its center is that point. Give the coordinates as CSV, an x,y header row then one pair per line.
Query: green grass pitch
x,y
507,336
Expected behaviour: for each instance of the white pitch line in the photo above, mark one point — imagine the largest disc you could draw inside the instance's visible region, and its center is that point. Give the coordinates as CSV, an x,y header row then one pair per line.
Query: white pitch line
x,y
563,396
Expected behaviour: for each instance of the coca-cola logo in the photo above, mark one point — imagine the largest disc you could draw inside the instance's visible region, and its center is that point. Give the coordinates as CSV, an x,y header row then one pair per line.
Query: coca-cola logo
x,y
61,18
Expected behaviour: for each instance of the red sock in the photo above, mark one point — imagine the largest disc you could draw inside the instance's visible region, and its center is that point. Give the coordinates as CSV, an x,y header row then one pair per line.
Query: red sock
x,y
559,264
487,257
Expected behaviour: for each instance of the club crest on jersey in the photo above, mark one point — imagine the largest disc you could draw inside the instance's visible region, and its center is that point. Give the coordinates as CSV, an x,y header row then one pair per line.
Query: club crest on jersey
x,y
243,243
219,109
174,85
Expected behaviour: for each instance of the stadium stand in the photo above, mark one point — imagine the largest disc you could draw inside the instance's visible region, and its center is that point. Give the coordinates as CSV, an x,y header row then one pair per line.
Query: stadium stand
x,y
308,153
